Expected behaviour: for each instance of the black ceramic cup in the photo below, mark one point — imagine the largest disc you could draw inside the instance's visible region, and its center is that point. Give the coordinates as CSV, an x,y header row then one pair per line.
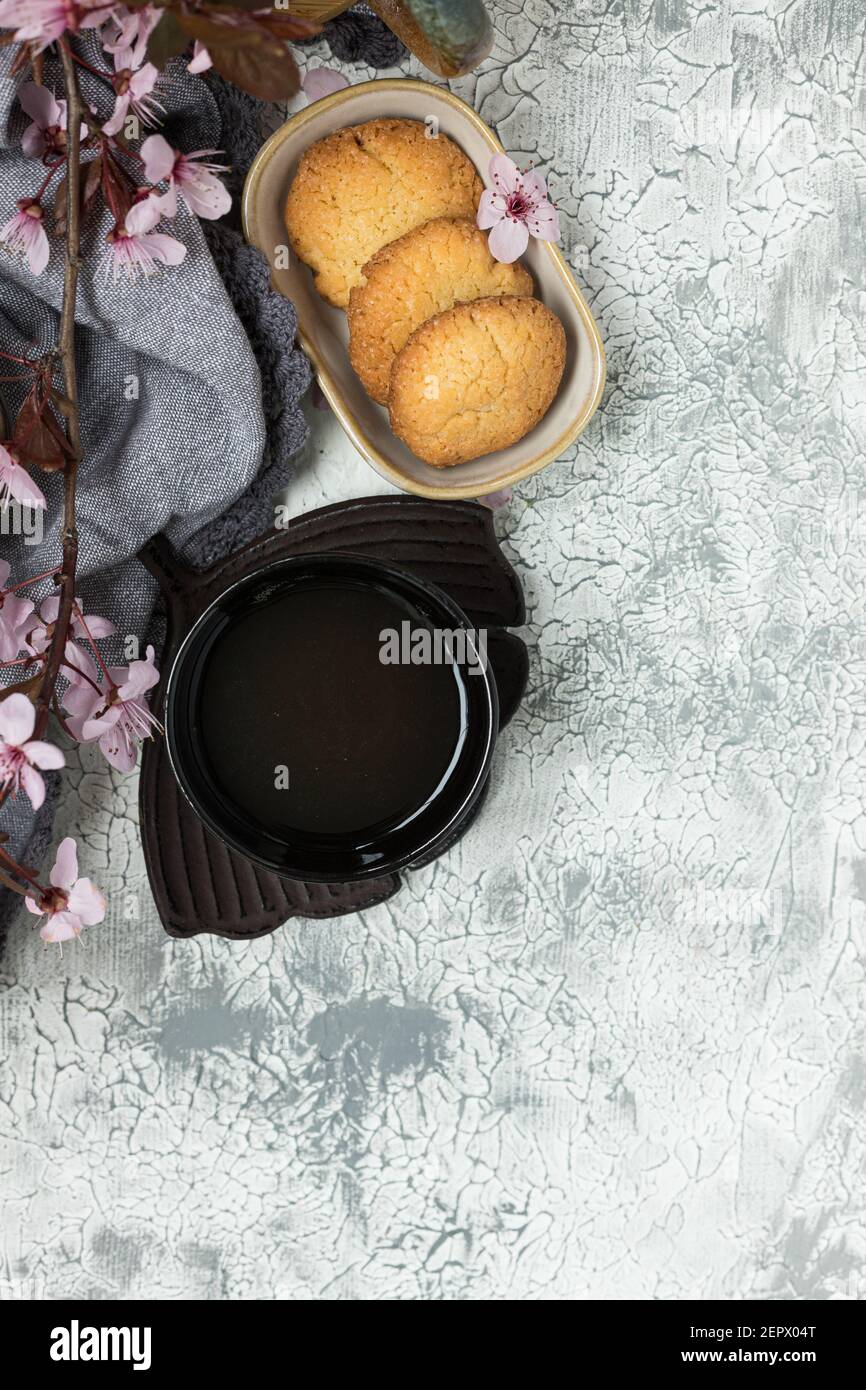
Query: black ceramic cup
x,y
332,718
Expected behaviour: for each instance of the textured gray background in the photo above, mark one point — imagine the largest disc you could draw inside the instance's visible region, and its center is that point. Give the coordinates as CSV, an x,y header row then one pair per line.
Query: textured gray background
x,y
612,1045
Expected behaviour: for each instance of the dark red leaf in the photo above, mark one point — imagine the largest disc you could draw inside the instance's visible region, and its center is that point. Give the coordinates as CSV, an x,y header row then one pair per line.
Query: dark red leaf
x,y
304,28
92,180
166,41
265,69
288,26
26,687
115,187
90,185
38,438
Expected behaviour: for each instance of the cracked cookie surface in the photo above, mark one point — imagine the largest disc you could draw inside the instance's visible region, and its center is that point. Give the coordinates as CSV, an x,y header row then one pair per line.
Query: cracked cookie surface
x,y
363,187
476,378
430,269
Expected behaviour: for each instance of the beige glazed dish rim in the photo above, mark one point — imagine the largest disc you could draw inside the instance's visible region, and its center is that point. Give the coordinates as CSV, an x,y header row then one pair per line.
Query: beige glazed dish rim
x,y
330,387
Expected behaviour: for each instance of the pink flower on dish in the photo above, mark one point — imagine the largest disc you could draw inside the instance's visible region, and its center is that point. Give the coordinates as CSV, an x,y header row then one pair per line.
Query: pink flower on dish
x,y
24,234
46,133
15,616
20,754
321,82
200,60
41,22
189,174
119,719
15,482
133,93
495,500
515,208
136,247
71,903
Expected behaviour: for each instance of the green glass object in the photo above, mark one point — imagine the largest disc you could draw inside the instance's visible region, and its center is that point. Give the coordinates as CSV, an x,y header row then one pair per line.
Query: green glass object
x,y
451,37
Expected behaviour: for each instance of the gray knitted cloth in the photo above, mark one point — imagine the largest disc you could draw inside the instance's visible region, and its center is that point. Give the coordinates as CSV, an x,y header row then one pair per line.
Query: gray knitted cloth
x,y
207,441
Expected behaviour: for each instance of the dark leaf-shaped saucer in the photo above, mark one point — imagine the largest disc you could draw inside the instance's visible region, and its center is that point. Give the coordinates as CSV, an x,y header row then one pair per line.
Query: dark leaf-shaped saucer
x,y
199,884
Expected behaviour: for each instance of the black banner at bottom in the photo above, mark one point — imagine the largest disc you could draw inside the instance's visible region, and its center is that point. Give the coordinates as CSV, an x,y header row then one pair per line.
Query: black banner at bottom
x,y
153,1338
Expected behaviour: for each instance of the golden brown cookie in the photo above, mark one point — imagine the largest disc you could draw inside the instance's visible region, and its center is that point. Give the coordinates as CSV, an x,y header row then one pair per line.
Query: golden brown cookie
x,y
443,263
476,378
362,187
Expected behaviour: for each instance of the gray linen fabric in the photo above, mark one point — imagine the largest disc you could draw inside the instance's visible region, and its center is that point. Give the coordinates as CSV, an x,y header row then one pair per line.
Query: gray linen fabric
x,y
206,353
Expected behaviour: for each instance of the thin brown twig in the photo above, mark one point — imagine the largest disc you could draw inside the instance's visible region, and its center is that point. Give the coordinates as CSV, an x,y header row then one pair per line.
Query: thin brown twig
x,y
70,386
20,869
12,885
66,355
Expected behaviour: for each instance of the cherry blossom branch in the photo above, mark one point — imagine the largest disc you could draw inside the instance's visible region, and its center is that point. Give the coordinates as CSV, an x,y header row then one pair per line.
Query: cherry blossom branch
x,y
69,560
246,43
11,884
102,73
80,618
47,679
32,579
22,871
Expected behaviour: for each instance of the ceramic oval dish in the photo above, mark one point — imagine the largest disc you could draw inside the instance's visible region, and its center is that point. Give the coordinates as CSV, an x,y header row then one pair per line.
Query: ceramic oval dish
x,y
323,330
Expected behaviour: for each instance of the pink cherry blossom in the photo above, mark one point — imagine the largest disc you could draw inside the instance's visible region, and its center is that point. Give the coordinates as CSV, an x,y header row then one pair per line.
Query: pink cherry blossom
x,y
166,202
15,482
40,22
82,626
127,32
321,82
201,59
191,174
495,500
136,247
25,234
72,903
133,92
45,136
119,718
15,615
516,207
20,755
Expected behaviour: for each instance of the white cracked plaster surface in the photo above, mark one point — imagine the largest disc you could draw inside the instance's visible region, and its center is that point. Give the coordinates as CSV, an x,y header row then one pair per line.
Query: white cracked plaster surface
x,y
612,1045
